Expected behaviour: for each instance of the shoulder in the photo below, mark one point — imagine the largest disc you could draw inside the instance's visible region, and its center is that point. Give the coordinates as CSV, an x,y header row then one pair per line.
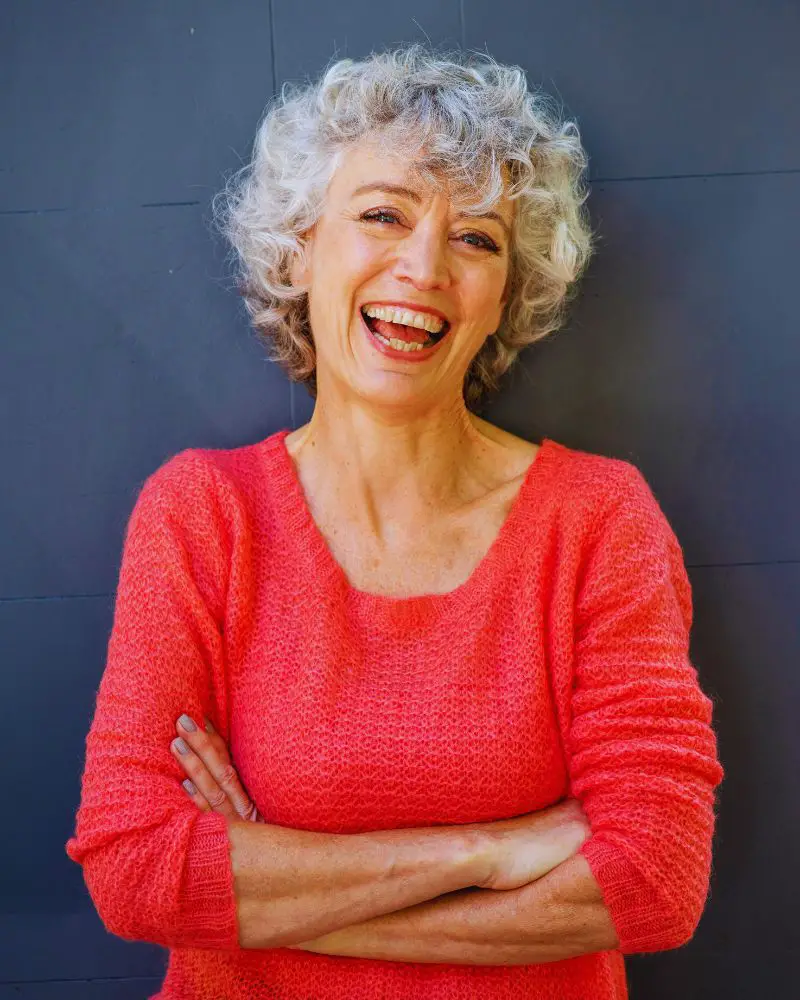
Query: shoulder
x,y
197,473
599,499
586,487
203,488
600,484
184,486
615,515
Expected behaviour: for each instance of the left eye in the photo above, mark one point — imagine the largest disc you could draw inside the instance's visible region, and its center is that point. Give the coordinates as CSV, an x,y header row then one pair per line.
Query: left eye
x,y
378,215
483,240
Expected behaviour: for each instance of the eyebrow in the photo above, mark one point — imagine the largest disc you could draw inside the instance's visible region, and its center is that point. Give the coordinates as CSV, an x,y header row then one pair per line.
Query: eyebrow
x,y
413,196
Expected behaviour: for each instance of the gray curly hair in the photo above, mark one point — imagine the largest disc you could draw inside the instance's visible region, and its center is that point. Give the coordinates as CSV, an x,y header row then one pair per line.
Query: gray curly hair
x,y
461,117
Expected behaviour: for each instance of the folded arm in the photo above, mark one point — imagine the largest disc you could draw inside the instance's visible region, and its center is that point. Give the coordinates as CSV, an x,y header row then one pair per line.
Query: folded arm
x,y
643,764
642,752
561,915
640,749
157,868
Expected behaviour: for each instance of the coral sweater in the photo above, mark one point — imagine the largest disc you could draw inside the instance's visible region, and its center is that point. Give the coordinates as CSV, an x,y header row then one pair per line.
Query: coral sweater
x,y
559,668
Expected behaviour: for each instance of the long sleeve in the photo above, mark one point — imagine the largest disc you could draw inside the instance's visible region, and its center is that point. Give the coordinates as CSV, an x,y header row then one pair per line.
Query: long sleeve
x,y
156,868
643,755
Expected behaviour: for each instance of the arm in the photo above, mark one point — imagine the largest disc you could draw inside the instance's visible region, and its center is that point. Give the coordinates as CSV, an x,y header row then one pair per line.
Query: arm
x,y
565,911
156,868
293,885
643,764
642,753
519,850
561,915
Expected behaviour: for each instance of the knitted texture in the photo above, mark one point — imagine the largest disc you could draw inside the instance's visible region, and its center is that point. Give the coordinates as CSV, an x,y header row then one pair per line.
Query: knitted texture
x,y
559,668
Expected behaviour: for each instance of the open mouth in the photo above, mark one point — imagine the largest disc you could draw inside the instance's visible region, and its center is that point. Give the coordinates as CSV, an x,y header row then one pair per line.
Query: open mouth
x,y
403,338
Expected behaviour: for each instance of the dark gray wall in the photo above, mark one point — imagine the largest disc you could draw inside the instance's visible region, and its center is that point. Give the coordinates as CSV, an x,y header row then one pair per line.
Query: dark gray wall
x,y
123,342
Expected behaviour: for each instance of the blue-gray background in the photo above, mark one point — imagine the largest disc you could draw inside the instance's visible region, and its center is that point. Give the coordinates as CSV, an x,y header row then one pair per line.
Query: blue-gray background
x,y
122,342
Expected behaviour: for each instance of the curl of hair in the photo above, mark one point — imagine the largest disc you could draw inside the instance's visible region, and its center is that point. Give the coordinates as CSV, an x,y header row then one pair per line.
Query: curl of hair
x,y
461,117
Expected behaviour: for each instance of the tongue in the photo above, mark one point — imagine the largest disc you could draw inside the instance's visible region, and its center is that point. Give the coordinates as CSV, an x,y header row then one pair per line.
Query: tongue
x,y
398,331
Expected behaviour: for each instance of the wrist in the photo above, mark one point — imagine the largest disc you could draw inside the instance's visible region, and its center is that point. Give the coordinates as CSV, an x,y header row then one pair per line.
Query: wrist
x,y
478,850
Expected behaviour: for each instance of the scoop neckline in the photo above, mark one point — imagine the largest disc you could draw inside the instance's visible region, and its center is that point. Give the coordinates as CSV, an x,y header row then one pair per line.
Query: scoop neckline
x,y
415,608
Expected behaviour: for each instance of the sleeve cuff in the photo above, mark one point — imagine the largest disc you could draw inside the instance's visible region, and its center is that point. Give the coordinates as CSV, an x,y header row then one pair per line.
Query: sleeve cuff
x,y
208,902
640,915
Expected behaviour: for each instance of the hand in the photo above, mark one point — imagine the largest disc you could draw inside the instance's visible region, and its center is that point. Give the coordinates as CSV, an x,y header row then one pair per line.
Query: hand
x,y
213,784
527,847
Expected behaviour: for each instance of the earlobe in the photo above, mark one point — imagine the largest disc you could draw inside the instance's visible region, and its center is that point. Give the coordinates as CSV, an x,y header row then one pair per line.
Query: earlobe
x,y
297,271
294,271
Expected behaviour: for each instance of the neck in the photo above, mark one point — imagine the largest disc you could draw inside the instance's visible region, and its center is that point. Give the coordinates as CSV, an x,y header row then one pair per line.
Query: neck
x,y
390,466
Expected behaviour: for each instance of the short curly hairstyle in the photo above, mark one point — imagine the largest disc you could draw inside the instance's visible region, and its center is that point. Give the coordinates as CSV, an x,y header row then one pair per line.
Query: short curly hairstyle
x,y
462,117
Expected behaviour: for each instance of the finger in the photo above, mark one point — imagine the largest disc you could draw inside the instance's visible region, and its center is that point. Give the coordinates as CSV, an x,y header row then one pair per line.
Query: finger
x,y
216,740
202,778
211,749
199,800
252,814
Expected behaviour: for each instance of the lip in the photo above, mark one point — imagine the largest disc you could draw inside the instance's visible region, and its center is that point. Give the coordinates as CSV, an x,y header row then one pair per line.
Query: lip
x,y
407,305
411,357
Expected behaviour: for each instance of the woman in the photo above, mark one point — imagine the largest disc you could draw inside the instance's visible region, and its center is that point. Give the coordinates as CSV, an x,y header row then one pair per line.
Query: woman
x,y
430,681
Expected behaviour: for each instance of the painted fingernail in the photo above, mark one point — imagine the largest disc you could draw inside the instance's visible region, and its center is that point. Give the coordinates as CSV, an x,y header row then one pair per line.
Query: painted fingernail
x,y
189,786
180,745
187,724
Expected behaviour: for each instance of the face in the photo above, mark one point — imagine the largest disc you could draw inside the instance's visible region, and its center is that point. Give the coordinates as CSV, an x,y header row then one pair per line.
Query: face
x,y
410,247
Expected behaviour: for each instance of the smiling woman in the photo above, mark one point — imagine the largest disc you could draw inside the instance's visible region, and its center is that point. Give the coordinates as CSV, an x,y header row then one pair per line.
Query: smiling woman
x,y
458,747
410,152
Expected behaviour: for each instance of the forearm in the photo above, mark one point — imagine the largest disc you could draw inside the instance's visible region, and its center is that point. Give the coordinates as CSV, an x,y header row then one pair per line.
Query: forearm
x,y
559,916
296,885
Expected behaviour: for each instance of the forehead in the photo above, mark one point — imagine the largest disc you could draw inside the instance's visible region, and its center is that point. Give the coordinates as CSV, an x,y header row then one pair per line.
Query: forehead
x,y
367,162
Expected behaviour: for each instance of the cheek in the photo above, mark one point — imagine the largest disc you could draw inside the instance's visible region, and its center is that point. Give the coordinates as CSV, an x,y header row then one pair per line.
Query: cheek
x,y
348,267
487,288
482,299
364,256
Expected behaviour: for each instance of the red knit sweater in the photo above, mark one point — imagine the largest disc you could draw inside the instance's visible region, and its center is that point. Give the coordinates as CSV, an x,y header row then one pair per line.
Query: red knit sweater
x,y
560,667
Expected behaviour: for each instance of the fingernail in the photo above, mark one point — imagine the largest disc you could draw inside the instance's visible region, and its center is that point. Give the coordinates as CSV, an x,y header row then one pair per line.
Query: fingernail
x,y
209,727
189,786
180,745
187,724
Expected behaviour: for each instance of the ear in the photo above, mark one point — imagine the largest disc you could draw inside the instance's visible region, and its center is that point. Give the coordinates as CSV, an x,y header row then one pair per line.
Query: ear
x,y
300,273
297,273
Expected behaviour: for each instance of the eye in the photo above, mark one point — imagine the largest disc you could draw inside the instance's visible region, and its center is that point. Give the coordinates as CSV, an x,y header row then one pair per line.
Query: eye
x,y
484,241
378,214
375,214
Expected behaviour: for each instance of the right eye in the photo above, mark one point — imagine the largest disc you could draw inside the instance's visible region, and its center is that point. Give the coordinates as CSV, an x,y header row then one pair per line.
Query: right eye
x,y
374,215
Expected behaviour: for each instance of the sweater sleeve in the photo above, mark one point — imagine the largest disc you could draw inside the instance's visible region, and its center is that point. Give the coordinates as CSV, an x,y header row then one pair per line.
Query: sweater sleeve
x,y
156,867
643,755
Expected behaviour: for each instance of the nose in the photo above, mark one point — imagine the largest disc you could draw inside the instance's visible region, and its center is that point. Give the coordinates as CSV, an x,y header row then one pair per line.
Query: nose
x,y
423,258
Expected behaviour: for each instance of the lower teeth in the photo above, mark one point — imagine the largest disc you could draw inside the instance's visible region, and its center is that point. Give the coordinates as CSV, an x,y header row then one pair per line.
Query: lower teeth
x,y
398,345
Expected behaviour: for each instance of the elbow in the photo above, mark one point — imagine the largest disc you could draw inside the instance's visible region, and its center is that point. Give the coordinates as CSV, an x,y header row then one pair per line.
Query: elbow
x,y
127,907
170,884
679,921
652,907
670,930
662,924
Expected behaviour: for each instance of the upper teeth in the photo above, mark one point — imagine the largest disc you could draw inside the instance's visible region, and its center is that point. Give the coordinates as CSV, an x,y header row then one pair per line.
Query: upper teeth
x,y
408,317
